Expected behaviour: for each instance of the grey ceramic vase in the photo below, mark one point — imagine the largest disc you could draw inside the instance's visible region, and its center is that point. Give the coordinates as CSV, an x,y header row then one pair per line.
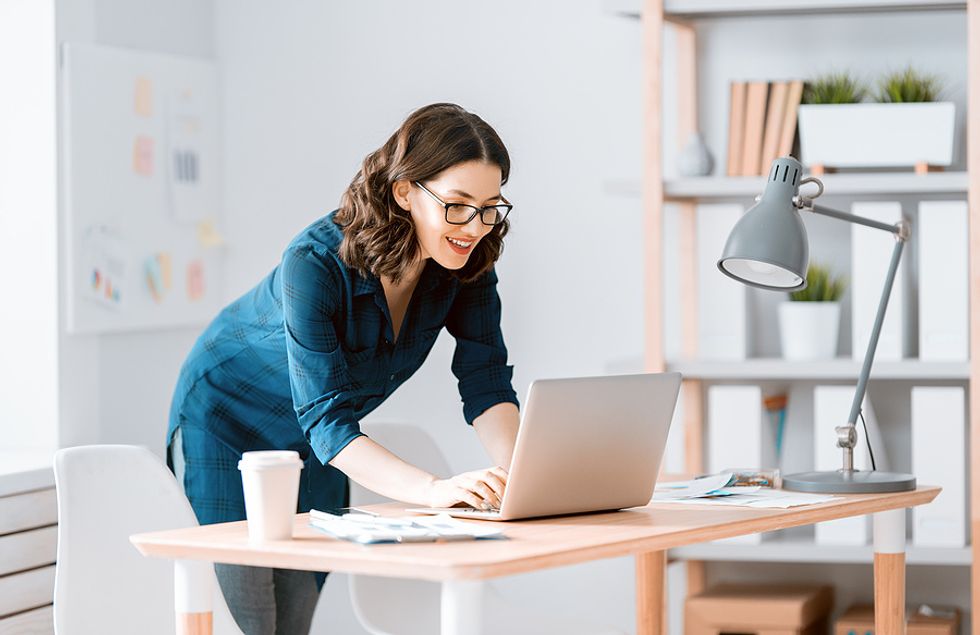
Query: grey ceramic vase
x,y
695,159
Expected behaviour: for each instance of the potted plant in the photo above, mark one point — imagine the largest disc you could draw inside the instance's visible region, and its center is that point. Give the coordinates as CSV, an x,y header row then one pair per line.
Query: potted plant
x,y
905,125
810,320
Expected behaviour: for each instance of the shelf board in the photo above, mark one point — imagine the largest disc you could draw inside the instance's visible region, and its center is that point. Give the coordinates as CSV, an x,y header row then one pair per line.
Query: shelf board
x,y
863,184
807,551
25,469
699,9
836,369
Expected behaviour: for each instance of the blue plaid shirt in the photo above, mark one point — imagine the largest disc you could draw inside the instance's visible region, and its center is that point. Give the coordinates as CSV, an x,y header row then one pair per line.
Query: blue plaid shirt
x,y
297,361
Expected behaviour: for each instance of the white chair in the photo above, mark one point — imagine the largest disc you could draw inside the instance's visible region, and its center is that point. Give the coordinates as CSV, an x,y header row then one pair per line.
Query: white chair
x,y
392,606
102,584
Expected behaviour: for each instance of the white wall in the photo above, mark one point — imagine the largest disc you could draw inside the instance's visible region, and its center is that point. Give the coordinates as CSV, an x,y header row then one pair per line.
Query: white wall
x,y
28,221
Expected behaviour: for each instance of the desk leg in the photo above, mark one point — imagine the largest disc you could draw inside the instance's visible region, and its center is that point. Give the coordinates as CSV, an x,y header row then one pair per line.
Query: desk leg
x,y
889,533
192,597
462,607
651,569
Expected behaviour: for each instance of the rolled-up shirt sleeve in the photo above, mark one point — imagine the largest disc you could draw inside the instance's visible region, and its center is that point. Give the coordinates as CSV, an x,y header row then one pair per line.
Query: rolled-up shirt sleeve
x,y
318,375
480,360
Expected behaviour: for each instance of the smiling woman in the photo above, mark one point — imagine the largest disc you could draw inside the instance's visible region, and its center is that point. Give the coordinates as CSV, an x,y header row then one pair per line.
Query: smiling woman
x,y
349,315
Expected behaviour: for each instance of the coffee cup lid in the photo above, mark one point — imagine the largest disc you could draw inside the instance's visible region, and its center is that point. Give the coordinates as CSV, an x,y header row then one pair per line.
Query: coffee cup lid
x,y
270,458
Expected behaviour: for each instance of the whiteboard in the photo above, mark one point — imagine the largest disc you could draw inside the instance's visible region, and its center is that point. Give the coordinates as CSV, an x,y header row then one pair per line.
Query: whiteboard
x,y
142,193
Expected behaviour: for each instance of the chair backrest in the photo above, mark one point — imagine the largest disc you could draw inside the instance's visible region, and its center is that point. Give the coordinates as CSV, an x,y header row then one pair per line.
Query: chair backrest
x,y
102,584
392,605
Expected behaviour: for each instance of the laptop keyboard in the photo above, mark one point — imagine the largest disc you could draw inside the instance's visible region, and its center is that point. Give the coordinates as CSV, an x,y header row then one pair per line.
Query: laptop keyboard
x,y
493,511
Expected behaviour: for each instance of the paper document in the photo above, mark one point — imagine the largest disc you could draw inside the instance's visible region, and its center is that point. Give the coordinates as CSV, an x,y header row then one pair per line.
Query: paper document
x,y
694,488
366,529
713,490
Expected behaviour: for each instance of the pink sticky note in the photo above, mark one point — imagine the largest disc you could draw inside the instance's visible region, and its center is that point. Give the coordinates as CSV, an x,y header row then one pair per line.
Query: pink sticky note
x,y
143,156
195,280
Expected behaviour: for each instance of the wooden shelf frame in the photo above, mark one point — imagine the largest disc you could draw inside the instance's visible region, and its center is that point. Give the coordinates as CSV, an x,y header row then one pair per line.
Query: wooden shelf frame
x,y
655,192
707,9
802,551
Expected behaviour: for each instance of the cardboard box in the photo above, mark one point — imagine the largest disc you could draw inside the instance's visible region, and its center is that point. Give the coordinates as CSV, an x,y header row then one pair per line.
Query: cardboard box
x,y
746,608
860,620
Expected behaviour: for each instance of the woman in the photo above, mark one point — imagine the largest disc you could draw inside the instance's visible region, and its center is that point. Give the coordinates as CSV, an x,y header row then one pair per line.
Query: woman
x,y
349,315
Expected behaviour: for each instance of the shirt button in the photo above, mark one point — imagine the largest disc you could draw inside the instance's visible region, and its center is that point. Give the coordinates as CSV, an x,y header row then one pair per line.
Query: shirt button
x,y
392,378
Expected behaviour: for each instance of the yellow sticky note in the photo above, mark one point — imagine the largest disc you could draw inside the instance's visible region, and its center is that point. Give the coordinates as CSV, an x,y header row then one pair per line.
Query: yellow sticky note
x,y
165,269
143,97
208,235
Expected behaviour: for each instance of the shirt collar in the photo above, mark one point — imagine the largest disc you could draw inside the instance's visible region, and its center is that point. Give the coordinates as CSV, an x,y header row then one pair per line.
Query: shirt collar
x,y
432,275
365,285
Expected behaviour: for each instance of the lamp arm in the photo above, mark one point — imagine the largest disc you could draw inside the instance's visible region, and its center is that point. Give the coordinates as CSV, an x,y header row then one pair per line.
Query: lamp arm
x,y
899,229
847,435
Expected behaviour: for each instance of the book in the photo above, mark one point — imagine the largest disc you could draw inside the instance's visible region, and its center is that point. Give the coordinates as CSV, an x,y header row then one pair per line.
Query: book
x,y
756,96
734,433
939,458
736,127
775,114
787,135
871,253
831,407
722,325
943,282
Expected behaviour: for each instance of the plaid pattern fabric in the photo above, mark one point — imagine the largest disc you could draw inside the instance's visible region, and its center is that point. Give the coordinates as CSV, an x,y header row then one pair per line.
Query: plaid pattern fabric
x,y
297,361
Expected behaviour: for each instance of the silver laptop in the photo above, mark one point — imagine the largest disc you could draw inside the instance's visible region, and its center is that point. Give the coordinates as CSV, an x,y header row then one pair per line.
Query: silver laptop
x,y
585,444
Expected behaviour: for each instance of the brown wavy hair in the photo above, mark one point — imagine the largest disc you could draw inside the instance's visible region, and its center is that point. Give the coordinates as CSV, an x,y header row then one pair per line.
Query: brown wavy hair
x,y
379,236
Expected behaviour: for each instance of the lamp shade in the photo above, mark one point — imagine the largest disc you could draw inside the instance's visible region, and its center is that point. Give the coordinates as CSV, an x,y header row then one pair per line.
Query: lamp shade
x,y
768,246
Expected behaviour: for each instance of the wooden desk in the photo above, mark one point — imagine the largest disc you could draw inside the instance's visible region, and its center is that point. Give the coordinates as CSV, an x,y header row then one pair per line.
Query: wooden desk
x,y
643,532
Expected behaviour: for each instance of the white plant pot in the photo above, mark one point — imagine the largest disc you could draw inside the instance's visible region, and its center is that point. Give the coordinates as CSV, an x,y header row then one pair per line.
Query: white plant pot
x,y
877,135
808,330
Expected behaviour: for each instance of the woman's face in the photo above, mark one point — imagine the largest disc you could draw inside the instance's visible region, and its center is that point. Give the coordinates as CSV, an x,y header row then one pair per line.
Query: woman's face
x,y
474,183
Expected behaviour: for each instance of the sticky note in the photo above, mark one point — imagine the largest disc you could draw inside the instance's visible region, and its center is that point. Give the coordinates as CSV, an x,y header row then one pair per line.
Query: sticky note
x,y
164,262
208,235
195,280
143,156
143,97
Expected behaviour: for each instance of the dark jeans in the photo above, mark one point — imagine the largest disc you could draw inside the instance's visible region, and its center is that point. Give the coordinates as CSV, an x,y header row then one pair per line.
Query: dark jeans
x,y
269,601
262,601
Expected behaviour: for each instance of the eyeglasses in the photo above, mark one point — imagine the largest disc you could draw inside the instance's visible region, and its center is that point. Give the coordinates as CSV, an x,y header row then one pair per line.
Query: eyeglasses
x,y
462,214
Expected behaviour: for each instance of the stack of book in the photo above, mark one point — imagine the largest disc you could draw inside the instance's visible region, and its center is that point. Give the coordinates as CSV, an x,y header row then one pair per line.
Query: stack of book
x,y
761,124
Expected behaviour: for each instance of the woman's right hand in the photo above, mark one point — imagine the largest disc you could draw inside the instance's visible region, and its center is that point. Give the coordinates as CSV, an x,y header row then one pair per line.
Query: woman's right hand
x,y
482,489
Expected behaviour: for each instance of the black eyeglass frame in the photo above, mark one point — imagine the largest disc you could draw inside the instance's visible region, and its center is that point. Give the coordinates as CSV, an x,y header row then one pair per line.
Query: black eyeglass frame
x,y
476,210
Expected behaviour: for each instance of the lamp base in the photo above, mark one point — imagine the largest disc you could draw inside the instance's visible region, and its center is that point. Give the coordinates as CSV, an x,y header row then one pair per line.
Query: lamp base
x,y
849,482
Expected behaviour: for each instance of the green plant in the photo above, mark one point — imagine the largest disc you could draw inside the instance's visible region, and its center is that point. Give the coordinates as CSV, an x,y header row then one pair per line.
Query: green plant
x,y
821,286
834,88
909,86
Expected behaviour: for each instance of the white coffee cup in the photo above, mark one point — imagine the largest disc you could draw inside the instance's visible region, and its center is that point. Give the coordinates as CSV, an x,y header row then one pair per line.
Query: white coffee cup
x,y
270,479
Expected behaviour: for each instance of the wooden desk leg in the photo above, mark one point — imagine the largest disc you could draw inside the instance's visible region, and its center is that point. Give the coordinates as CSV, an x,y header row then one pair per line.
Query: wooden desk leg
x,y
650,586
462,607
889,533
192,597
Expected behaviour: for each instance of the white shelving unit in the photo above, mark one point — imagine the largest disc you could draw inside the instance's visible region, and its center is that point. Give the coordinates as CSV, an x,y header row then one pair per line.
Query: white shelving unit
x,y
832,370
852,185
701,9
687,193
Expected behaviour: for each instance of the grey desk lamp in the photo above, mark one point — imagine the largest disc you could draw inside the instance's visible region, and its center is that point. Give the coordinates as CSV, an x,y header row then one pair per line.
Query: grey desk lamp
x,y
768,249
